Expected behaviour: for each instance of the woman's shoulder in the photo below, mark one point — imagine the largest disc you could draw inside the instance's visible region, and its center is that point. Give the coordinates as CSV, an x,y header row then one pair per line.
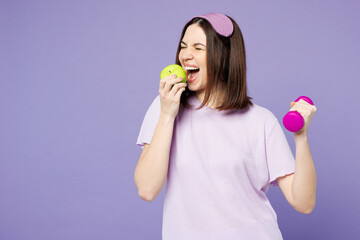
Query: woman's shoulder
x,y
154,108
156,102
157,99
262,112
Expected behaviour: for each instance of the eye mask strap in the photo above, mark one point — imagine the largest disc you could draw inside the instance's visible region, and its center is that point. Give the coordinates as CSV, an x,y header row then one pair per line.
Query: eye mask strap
x,y
220,22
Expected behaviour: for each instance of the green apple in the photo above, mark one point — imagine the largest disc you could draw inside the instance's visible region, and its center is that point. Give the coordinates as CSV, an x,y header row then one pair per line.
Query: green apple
x,y
173,69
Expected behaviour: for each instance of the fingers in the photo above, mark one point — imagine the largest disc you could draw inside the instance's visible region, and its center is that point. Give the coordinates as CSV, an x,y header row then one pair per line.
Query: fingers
x,y
171,83
302,104
172,87
178,94
167,83
165,79
177,87
303,107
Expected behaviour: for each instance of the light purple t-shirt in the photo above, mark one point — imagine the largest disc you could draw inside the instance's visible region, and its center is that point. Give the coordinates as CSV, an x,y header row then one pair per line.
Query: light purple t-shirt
x,y
221,165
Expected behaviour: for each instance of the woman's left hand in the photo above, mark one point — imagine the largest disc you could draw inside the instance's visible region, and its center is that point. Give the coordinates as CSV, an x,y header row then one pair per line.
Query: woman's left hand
x,y
307,111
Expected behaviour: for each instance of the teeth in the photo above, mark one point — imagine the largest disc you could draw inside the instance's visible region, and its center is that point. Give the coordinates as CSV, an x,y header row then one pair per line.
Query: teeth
x,y
191,68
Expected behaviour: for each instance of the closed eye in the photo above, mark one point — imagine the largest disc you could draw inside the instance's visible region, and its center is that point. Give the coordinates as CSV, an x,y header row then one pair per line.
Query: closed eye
x,y
195,48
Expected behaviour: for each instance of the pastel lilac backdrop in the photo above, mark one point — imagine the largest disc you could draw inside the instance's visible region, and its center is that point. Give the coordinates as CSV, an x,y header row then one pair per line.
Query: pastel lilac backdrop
x,y
78,76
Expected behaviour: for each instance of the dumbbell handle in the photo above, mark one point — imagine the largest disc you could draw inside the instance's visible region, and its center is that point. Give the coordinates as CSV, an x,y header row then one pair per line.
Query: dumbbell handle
x,y
293,121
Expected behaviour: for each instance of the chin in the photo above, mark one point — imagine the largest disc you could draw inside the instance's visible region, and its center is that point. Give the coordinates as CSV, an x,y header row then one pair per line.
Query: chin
x,y
192,88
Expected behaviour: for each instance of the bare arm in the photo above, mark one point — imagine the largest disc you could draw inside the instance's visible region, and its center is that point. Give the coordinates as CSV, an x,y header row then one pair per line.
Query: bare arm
x,y
300,188
304,184
152,168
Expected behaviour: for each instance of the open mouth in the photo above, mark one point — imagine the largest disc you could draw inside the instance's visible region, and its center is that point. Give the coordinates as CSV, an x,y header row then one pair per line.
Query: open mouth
x,y
192,73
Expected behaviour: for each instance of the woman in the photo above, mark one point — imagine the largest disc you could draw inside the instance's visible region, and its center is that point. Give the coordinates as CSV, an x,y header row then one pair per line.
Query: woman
x,y
218,151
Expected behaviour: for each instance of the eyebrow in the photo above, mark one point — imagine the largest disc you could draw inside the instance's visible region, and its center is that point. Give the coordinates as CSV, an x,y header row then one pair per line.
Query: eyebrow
x,y
194,44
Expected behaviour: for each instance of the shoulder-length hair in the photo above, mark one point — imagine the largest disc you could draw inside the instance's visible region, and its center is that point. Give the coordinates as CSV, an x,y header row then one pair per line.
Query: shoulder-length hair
x,y
226,65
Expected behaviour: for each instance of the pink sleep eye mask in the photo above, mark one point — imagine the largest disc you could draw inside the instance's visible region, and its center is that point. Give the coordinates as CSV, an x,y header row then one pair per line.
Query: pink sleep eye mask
x,y
220,22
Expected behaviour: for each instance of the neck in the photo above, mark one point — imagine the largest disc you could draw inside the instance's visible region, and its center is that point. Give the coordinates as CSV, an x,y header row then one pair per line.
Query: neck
x,y
214,101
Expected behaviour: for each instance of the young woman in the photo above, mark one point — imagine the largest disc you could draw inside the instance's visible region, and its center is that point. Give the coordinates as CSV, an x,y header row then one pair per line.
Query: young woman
x,y
218,151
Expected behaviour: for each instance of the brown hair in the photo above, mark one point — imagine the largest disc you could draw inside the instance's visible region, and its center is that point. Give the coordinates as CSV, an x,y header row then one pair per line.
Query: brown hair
x,y
226,65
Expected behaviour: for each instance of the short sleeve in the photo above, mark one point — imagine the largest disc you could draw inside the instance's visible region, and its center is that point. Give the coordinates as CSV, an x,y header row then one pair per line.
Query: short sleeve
x,y
149,123
280,159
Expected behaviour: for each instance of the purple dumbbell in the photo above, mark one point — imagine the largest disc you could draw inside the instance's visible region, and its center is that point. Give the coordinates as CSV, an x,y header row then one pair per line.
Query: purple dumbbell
x,y
293,121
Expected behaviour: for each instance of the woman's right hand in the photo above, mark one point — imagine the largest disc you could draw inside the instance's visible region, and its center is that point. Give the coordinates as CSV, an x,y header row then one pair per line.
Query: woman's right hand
x,y
170,92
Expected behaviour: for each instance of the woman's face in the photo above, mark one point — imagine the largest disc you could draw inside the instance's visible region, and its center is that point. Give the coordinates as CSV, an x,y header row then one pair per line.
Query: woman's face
x,y
192,57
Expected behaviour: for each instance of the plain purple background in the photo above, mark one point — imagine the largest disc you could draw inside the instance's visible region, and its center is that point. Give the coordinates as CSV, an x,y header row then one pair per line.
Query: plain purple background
x,y
76,79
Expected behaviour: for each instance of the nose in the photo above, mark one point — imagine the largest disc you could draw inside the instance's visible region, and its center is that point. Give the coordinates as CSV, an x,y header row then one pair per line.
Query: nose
x,y
186,54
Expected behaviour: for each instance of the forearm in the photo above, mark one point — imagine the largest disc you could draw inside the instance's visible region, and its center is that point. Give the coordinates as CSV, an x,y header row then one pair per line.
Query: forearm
x,y
304,183
152,168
